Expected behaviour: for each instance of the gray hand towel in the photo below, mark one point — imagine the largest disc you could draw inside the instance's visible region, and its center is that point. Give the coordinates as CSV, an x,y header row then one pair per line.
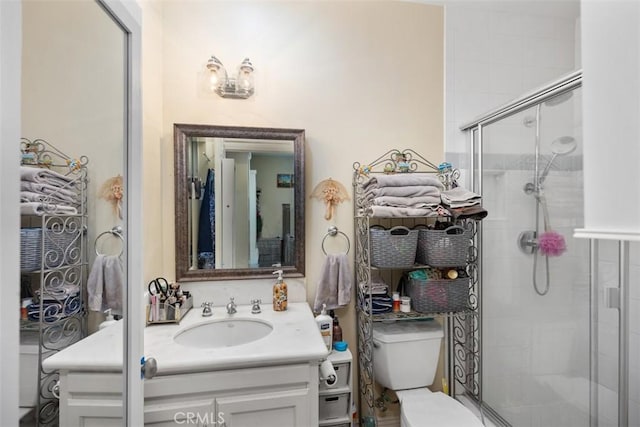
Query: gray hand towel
x,y
95,284
334,286
105,284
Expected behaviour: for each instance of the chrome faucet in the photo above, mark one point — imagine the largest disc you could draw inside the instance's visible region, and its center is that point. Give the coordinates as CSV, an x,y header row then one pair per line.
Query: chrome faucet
x,y
256,306
206,309
231,307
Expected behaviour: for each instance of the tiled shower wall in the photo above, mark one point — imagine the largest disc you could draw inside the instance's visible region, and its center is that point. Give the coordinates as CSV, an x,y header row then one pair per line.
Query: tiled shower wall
x,y
498,50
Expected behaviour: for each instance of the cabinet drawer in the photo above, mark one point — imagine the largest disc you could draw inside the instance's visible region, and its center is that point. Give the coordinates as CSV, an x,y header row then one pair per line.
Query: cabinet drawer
x,y
334,406
342,371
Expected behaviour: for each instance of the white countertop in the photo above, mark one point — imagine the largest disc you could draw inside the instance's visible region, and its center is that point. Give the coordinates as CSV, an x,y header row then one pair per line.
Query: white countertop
x,y
295,339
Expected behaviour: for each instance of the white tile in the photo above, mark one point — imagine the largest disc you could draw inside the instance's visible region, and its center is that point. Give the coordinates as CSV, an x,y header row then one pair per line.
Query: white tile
x,y
471,46
539,26
471,76
506,49
470,104
505,78
508,23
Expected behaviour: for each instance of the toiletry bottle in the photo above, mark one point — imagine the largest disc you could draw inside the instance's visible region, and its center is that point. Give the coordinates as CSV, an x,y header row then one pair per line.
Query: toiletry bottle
x,y
108,321
396,302
279,293
325,324
337,330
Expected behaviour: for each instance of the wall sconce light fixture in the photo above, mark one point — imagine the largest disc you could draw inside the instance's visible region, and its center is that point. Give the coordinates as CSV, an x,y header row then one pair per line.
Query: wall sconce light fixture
x,y
238,87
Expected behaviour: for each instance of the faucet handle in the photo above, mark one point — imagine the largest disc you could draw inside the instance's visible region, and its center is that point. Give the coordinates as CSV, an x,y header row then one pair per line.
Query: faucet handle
x,y
206,309
256,306
231,307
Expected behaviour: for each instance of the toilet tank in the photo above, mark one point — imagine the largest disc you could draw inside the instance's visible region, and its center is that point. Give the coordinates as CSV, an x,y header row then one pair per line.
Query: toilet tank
x,y
406,353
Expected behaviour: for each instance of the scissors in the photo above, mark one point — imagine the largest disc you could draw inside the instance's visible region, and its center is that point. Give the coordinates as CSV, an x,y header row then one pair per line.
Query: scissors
x,y
160,287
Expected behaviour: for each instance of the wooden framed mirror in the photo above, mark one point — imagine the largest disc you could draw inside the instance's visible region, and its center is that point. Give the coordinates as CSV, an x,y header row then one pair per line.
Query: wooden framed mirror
x,y
239,202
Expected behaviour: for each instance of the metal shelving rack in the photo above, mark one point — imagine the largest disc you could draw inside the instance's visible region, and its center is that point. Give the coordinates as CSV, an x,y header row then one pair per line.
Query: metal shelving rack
x,y
58,284
462,329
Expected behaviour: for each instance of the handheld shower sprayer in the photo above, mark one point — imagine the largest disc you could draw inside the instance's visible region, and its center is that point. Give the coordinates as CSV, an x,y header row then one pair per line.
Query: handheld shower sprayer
x,y
559,147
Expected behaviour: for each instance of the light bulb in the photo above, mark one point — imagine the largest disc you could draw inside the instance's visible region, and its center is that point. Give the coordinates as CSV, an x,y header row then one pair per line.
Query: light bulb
x,y
213,81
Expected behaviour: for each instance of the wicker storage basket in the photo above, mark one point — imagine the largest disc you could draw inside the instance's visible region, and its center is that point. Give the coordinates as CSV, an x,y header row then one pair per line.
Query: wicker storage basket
x,y
30,250
438,296
443,248
60,248
393,248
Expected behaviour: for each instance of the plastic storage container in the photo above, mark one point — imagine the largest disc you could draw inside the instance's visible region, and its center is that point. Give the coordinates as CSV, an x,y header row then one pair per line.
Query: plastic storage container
x,y
334,406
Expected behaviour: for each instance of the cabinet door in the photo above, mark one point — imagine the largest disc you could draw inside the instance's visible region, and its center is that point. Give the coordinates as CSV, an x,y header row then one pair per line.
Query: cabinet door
x,y
277,409
194,412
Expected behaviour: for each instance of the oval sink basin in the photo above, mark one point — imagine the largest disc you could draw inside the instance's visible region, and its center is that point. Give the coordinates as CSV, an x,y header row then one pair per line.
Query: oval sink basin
x,y
223,333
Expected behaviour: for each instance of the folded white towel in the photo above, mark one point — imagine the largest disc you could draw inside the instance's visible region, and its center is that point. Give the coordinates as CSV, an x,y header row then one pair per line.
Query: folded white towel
x,y
396,212
37,208
49,190
105,284
61,292
28,196
376,289
334,286
403,179
407,202
460,197
408,191
45,176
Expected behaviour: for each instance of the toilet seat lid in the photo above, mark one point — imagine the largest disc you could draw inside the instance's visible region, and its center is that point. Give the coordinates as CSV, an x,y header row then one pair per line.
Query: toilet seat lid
x,y
436,409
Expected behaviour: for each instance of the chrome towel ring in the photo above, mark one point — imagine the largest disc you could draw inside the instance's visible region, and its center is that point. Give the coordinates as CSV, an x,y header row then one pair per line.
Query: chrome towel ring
x,y
333,231
115,231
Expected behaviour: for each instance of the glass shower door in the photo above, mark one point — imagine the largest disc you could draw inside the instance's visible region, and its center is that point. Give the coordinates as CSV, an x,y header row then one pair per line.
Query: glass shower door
x,y
535,275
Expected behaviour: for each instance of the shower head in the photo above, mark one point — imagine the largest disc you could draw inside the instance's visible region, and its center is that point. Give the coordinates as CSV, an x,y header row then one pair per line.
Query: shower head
x,y
558,99
563,145
559,147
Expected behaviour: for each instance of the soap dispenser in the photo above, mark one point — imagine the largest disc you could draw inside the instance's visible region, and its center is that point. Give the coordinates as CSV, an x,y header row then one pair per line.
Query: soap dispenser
x,y
279,293
108,321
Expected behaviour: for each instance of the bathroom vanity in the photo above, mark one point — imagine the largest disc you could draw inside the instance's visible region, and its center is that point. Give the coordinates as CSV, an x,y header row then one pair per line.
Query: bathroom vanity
x,y
270,381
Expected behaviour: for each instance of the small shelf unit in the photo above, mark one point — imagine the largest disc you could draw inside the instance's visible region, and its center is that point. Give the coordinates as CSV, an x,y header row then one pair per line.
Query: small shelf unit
x,y
53,266
461,327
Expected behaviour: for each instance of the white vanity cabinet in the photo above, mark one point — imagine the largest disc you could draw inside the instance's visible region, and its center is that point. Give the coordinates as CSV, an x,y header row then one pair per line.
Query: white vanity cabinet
x,y
266,396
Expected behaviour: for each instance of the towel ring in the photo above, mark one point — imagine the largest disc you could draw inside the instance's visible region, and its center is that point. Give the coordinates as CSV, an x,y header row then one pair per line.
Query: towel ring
x,y
333,231
115,231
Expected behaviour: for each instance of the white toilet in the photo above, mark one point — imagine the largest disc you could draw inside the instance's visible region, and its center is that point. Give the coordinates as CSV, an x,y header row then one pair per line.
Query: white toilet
x,y
405,360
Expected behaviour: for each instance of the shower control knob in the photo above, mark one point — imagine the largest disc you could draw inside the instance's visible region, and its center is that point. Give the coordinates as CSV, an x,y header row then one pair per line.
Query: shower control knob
x,y
529,188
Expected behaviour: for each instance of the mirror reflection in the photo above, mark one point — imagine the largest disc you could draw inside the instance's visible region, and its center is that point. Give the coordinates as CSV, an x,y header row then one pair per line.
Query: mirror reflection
x,y
238,201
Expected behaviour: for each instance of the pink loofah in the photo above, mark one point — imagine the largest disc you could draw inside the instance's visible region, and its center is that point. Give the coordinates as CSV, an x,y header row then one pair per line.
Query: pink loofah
x,y
551,243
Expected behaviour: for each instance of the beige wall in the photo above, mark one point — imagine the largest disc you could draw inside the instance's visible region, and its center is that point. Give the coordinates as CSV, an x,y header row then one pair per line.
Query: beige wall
x,y
360,77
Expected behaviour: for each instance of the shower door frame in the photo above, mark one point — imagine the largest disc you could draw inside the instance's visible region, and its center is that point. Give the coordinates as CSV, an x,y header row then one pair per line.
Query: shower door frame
x,y
474,131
